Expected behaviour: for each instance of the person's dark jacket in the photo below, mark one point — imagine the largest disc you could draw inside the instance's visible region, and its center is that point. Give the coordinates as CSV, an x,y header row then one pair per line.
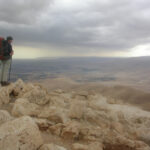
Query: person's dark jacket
x,y
7,50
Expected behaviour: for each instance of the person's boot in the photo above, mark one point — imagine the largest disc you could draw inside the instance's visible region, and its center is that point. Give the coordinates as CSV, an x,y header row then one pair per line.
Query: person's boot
x,y
2,83
5,83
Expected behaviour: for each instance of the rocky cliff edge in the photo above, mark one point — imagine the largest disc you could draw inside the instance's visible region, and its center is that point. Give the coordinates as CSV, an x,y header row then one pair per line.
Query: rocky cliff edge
x,y
32,118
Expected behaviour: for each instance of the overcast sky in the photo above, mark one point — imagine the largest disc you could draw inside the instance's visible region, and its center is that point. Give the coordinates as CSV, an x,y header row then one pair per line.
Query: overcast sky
x,y
43,28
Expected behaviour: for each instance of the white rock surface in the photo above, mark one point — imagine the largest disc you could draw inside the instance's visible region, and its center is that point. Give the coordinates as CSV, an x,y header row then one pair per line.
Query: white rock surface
x,y
20,134
4,116
89,119
23,107
52,147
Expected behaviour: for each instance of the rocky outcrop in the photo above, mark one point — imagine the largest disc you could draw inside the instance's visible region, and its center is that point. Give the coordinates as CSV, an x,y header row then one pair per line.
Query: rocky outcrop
x,y
20,134
42,120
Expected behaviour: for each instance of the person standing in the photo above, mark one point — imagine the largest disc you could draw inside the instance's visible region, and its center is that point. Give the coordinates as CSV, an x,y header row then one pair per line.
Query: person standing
x,y
5,64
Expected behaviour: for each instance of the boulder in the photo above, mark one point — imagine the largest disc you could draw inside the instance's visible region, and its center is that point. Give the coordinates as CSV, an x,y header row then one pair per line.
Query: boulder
x,y
80,95
20,134
4,95
56,129
71,130
52,147
37,96
55,114
17,88
77,109
23,107
4,116
43,124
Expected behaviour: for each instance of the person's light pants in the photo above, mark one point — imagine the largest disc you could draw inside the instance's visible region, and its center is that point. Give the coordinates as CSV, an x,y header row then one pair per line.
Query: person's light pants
x,y
4,69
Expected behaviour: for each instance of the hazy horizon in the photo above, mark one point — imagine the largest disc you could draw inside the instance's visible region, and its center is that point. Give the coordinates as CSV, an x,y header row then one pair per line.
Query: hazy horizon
x,y
132,72
57,57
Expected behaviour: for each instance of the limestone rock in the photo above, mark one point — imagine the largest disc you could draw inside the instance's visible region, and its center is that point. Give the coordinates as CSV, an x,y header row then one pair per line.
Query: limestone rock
x,y
20,134
118,127
22,107
77,109
4,116
89,119
77,146
82,95
43,124
58,100
59,91
55,114
92,146
17,87
4,96
99,104
56,129
37,96
95,146
71,130
52,147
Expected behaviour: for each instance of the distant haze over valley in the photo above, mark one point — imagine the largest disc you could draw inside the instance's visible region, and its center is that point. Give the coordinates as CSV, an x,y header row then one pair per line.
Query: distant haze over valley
x,y
132,72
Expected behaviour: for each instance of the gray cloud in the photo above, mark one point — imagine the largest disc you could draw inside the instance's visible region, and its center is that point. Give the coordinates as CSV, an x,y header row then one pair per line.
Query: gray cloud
x,y
21,11
91,24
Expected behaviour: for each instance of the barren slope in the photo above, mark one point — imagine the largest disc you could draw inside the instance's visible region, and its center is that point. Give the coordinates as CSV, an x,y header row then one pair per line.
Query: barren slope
x,y
32,117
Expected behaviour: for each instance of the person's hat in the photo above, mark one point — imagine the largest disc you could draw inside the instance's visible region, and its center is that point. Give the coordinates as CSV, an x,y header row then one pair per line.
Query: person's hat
x,y
9,38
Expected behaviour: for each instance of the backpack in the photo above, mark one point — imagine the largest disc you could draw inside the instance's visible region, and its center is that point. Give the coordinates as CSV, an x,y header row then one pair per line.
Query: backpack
x,y
3,44
1,48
